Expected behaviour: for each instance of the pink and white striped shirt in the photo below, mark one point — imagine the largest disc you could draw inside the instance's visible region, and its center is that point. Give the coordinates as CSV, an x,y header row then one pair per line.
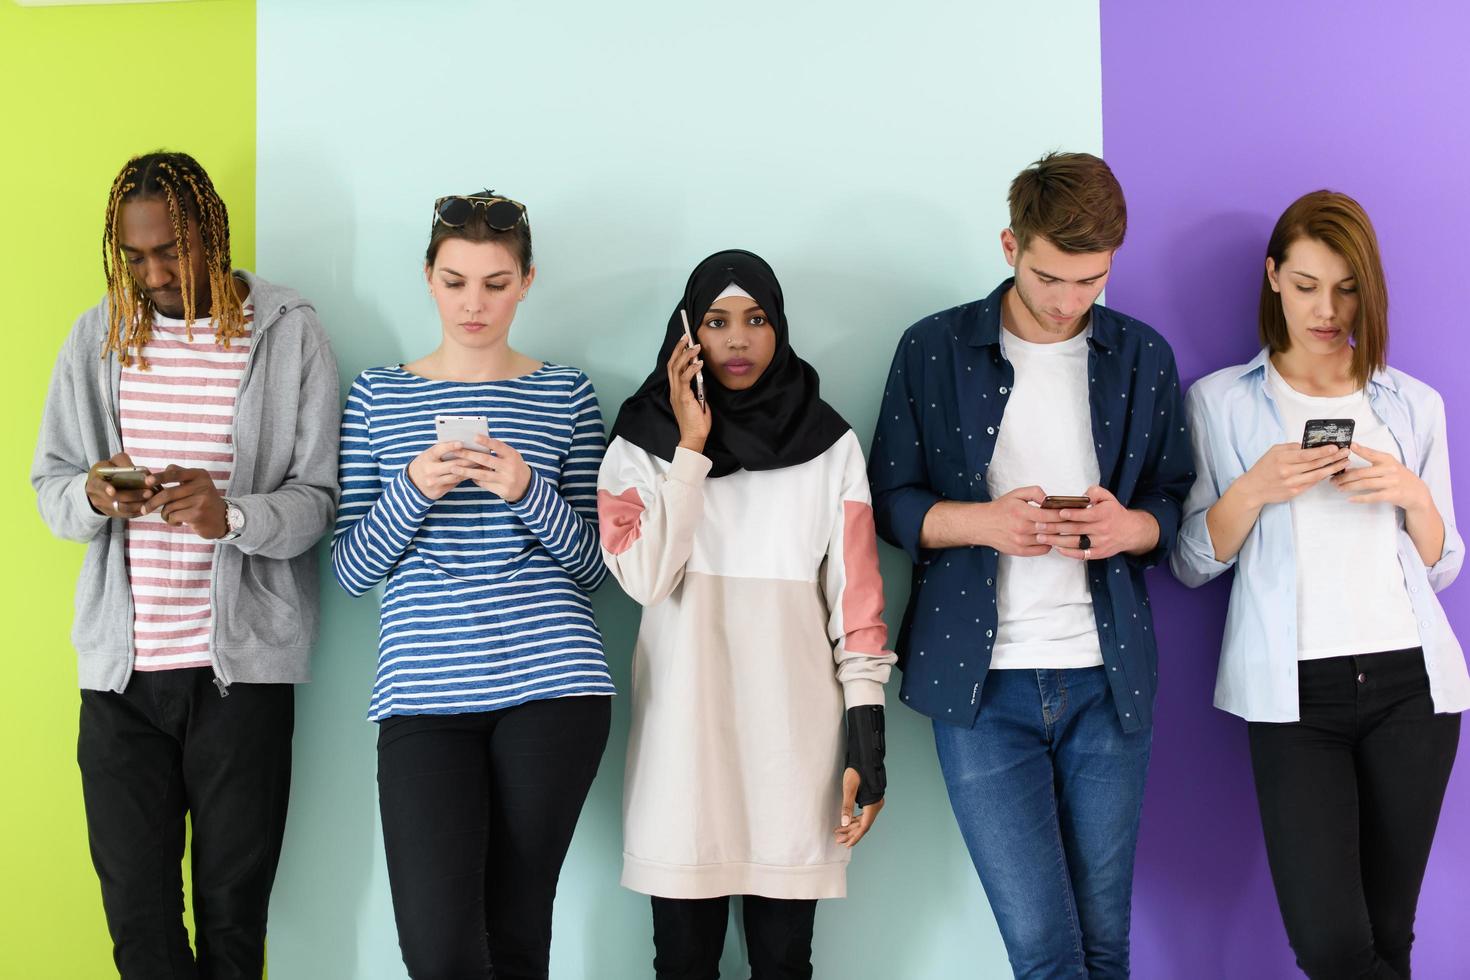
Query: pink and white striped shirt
x,y
180,411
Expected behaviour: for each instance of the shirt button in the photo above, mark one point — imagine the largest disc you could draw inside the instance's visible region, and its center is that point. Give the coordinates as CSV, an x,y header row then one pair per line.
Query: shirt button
x,y
1362,678
990,430
989,632
1002,389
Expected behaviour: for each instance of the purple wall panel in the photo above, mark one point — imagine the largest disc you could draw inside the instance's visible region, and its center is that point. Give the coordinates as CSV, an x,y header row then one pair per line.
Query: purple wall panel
x,y
1215,117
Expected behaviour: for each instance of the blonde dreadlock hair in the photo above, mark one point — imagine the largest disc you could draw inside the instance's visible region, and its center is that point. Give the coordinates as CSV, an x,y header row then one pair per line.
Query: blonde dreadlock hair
x,y
180,182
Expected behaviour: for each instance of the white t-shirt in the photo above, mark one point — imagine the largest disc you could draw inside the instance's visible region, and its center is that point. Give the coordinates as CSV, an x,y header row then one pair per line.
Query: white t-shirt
x,y
1350,594
1044,604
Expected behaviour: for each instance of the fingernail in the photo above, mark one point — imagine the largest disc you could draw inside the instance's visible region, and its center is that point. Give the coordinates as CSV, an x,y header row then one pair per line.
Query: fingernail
x,y
846,820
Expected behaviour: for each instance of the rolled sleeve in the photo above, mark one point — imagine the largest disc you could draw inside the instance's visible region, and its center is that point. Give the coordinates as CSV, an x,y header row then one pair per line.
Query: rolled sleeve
x,y
1434,470
1193,559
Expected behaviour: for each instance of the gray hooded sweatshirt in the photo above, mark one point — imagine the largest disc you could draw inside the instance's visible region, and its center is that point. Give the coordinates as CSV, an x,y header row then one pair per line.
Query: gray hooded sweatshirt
x,y
264,583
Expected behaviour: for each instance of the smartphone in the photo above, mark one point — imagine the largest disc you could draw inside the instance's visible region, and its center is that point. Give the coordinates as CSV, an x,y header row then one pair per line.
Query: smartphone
x,y
125,477
1328,432
698,375
1062,503
461,428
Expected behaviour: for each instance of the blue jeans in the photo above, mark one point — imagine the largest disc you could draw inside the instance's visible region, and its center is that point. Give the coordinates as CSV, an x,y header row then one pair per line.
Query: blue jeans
x,y
1047,789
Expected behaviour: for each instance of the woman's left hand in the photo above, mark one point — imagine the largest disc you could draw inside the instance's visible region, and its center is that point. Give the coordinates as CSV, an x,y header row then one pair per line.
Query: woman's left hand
x,y
498,468
1383,480
853,828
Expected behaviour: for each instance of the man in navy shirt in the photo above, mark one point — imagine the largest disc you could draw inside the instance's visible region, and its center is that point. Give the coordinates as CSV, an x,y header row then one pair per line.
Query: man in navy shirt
x,y
1028,636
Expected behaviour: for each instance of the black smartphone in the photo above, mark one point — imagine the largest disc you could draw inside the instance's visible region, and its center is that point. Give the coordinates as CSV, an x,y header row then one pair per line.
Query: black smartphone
x,y
1328,432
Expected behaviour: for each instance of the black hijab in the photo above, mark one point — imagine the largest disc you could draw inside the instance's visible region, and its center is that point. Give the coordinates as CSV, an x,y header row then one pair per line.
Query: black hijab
x,y
779,421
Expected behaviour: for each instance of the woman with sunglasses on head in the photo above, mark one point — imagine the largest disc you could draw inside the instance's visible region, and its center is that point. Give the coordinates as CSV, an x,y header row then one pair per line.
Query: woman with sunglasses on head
x,y
1336,651
741,522
492,691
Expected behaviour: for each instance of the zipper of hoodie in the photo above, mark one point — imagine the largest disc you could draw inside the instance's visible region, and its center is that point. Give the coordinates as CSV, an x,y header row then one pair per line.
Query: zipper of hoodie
x,y
104,374
220,680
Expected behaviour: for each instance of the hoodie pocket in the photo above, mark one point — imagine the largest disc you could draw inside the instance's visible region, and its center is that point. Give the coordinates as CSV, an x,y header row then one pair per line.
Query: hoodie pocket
x,y
264,605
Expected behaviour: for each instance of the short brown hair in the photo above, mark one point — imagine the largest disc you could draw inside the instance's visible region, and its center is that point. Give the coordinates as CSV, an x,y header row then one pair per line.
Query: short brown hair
x,y
1340,223
1070,199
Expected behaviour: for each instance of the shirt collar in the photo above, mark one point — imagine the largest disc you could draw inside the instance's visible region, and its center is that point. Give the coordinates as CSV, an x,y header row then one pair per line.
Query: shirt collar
x,y
1381,379
983,328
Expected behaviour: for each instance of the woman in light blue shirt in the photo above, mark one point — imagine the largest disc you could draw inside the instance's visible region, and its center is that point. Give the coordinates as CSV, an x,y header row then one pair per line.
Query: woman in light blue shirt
x,y
1336,650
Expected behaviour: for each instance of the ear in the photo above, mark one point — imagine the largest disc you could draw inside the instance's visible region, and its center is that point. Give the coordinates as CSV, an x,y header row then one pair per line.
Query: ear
x,y
1271,274
526,281
1010,247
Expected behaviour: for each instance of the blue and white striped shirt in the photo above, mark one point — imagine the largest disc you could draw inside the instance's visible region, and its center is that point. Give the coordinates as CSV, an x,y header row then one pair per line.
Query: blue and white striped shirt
x,y
487,604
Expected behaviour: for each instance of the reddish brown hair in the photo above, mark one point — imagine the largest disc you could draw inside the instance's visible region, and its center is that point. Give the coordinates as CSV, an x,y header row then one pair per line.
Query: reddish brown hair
x,y
1070,199
1340,223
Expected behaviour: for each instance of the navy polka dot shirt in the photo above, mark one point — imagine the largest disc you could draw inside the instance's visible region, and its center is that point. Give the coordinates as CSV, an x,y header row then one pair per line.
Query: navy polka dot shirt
x,y
942,410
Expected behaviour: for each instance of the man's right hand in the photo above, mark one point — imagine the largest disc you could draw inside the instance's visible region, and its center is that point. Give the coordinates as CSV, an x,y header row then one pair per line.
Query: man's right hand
x,y
1010,523
108,500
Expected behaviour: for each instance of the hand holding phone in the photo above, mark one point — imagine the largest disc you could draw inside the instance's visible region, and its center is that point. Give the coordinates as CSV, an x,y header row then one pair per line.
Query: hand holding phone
x,y
689,341
686,393
117,488
436,470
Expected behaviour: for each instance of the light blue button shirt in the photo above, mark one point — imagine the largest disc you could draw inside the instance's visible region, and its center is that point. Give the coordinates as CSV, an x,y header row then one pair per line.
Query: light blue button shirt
x,y
1233,421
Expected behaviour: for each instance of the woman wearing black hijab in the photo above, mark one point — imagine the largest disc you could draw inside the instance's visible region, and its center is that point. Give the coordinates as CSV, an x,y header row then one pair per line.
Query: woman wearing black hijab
x,y
742,523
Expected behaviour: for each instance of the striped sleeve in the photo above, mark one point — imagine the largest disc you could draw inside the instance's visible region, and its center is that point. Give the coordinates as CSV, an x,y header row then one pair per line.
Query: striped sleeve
x,y
854,588
375,524
566,522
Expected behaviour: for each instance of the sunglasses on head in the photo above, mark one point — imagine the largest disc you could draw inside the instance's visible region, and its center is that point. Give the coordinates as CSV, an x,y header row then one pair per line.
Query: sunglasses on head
x,y
501,213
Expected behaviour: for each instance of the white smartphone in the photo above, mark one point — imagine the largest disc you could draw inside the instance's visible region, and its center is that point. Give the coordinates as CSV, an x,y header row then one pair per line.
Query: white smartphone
x,y
461,428
698,375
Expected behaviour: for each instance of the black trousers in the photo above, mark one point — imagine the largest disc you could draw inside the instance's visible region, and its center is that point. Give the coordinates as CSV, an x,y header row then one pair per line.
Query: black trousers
x,y
1350,796
689,936
168,745
478,812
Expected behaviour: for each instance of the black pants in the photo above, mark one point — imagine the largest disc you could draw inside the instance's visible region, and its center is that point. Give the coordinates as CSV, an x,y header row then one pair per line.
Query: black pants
x,y
170,744
1349,797
689,936
478,812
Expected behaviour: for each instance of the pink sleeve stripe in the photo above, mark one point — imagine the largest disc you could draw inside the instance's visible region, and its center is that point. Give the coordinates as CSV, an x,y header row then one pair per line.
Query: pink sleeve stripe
x,y
862,597
618,519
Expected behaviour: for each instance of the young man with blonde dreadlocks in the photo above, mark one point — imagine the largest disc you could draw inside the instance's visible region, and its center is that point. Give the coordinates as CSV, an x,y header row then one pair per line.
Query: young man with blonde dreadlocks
x,y
197,602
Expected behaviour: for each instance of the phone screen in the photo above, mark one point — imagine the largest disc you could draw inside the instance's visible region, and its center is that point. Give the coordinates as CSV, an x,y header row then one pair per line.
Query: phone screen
x,y
1328,432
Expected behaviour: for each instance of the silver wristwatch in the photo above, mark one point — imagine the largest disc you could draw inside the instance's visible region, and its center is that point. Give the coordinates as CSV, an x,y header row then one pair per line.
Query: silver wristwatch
x,y
234,519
